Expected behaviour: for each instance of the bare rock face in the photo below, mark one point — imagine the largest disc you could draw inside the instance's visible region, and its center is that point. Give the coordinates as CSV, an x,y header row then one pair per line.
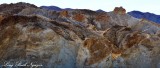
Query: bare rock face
x,y
1,18
79,17
102,17
15,8
64,13
119,10
78,38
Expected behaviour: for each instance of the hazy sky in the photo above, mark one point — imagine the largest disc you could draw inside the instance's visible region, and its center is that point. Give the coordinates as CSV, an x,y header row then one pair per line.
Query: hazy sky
x,y
152,6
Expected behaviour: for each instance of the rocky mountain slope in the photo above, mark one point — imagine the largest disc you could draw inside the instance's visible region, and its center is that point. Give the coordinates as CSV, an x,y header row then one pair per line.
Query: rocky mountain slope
x,y
77,38
55,8
147,15
137,14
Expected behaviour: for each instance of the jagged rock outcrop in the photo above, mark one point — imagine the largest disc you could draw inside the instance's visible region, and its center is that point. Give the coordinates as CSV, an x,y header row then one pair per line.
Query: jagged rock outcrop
x,y
119,10
79,38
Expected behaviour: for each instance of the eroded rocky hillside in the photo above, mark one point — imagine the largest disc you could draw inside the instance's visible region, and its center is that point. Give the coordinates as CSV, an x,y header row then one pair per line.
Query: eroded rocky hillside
x,y
77,38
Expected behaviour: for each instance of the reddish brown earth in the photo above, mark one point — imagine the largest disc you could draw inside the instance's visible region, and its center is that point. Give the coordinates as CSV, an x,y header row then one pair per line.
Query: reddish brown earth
x,y
79,17
102,17
119,10
64,13
1,18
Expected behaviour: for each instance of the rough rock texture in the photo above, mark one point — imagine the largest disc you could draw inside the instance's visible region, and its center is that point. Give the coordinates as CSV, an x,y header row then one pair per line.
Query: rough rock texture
x,y
119,10
1,18
14,8
79,39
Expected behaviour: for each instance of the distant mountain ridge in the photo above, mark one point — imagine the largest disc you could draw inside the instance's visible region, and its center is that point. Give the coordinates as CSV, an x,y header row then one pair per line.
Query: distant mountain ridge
x,y
54,8
137,14
146,15
60,9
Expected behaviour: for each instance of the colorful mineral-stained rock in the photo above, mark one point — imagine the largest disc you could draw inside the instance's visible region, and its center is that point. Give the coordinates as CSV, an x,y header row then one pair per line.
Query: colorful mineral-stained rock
x,y
77,38
119,10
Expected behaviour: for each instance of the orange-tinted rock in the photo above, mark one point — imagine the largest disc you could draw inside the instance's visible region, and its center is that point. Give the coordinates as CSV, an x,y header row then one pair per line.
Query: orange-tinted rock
x,y
98,48
115,55
133,39
102,17
116,52
7,42
64,13
79,17
119,10
1,18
